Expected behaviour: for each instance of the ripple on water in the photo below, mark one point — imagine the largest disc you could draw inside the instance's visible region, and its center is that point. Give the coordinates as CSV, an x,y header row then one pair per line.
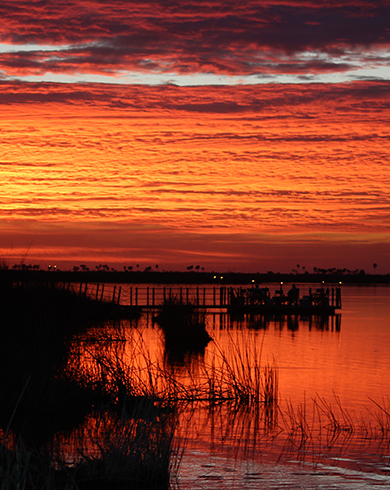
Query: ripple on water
x,y
198,472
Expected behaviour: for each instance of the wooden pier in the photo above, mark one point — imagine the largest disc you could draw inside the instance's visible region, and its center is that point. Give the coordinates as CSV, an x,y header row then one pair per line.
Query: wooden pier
x,y
233,299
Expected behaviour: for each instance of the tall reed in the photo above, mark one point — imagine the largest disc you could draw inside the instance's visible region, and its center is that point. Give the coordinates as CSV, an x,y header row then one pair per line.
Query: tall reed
x,y
237,375
382,416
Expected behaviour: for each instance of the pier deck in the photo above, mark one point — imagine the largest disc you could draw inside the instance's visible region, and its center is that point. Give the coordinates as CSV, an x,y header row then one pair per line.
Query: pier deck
x,y
233,299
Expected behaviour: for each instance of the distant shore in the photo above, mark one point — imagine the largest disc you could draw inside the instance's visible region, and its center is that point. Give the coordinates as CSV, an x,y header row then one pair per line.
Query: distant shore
x,y
191,277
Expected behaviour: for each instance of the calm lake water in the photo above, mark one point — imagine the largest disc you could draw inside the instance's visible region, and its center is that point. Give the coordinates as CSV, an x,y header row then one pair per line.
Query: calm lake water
x,y
333,398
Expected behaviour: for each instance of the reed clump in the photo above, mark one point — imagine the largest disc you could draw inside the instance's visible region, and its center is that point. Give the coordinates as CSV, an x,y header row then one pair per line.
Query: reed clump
x,y
236,376
183,325
382,416
25,468
110,450
241,376
304,425
340,421
323,429
128,450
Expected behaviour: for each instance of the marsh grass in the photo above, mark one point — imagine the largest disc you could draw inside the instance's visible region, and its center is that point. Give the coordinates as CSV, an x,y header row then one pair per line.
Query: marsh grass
x,y
382,416
134,448
241,375
340,421
130,369
128,448
296,423
237,432
110,450
319,430
24,469
40,399
239,391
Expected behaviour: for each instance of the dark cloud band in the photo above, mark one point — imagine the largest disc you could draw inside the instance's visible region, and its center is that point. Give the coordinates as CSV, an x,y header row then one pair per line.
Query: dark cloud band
x,y
245,38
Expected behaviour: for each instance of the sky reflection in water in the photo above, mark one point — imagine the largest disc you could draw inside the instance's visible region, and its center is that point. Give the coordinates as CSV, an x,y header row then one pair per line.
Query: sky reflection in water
x,y
338,365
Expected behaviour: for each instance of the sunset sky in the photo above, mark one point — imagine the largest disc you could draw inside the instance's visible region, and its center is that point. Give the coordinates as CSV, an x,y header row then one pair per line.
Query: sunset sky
x,y
242,136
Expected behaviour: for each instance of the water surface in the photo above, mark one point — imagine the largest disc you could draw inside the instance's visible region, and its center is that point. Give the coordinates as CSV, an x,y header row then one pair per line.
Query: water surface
x,y
327,367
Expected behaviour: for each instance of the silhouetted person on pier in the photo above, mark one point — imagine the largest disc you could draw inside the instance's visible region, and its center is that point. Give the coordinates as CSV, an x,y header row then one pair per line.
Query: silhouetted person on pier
x,y
293,295
259,295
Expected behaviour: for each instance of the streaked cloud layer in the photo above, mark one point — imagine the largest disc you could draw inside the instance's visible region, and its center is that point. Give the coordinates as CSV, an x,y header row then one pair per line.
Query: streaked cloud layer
x,y
258,177
255,40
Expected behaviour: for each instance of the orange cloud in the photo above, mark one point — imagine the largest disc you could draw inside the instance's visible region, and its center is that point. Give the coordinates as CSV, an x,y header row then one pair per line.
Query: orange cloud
x,y
232,175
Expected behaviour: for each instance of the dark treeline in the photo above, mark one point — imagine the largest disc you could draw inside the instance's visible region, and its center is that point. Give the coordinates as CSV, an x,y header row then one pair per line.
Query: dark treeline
x,y
194,277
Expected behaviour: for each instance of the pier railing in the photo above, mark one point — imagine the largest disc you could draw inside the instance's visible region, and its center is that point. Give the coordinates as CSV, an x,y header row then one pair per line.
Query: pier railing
x,y
154,297
203,296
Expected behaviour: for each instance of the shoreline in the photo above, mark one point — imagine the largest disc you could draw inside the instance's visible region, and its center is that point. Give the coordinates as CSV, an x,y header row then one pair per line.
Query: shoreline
x,y
217,278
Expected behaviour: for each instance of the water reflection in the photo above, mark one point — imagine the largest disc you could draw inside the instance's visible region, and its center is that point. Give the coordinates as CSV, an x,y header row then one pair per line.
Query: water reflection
x,y
216,400
222,439
255,321
223,423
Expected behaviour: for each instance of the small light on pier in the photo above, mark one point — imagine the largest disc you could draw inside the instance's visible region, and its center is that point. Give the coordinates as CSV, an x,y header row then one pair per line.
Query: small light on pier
x,y
215,277
221,277
253,280
340,282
